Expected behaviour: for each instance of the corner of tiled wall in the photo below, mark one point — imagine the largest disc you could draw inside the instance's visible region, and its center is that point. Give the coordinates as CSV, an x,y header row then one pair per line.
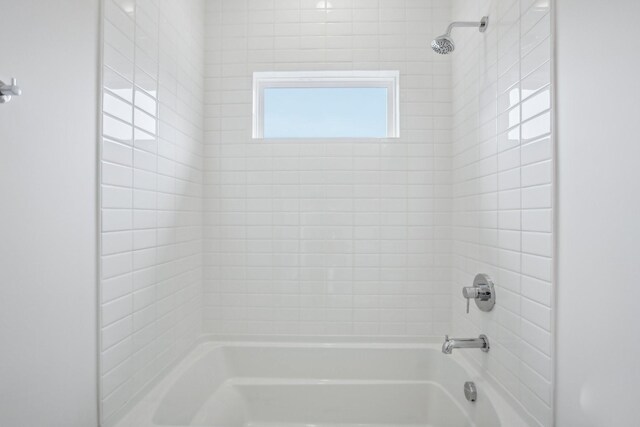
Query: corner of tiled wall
x,y
502,192
151,193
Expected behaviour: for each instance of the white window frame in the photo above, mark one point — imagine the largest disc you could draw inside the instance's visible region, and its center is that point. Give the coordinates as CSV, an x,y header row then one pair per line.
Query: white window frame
x,y
389,80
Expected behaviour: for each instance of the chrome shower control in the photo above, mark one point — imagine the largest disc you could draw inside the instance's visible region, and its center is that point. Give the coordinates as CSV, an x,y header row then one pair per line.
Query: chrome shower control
x,y
9,90
470,391
482,291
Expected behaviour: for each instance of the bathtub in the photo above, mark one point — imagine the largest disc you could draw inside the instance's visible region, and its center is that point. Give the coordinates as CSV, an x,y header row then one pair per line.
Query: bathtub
x,y
319,384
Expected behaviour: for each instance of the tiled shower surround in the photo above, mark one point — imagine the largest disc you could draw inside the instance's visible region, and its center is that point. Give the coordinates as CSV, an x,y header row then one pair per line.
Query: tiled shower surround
x,y
502,191
205,229
335,237
151,193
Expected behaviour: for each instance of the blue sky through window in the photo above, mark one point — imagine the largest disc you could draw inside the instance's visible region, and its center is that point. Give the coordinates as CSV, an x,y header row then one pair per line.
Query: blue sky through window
x,y
325,112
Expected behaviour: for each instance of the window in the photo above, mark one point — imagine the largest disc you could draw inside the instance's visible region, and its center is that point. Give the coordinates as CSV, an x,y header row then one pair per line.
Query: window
x,y
331,104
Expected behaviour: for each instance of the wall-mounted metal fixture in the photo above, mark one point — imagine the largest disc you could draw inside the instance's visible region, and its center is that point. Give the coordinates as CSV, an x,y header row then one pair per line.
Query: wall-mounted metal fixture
x,y
482,291
444,44
470,391
482,342
7,91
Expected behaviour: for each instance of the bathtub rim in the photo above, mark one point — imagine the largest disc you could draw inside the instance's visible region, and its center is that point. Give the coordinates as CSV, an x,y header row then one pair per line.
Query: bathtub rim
x,y
508,408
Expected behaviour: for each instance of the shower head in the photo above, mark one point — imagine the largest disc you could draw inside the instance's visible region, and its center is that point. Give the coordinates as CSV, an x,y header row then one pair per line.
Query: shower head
x,y
444,44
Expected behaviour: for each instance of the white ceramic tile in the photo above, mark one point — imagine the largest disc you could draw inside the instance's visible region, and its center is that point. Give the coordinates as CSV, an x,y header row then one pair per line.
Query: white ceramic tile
x,y
116,310
536,104
115,332
116,377
116,129
517,87
350,202
117,399
309,237
154,270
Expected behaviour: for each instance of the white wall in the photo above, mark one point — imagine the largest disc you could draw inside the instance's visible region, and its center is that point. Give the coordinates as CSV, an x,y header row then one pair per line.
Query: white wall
x,y
329,237
151,193
48,273
502,192
598,224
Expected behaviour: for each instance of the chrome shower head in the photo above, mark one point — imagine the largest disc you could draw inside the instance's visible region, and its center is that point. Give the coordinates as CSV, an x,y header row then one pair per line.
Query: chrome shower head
x,y
444,44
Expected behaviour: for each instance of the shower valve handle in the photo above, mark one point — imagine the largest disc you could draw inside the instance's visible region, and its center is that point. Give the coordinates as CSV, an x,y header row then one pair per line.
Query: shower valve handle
x,y
482,292
11,89
470,293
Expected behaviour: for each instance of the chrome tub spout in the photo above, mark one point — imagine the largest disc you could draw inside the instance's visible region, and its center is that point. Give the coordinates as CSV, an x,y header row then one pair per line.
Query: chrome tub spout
x,y
482,342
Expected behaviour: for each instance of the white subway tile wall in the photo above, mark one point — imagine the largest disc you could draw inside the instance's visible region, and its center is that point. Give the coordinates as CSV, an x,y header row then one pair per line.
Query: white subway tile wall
x,y
502,191
333,237
202,223
151,192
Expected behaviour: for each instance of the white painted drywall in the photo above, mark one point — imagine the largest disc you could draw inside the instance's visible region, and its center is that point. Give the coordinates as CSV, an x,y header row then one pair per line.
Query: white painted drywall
x,y
598,121
48,214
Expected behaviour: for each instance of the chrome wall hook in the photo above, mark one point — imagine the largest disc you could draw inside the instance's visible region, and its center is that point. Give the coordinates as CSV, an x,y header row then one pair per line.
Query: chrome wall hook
x,y
7,91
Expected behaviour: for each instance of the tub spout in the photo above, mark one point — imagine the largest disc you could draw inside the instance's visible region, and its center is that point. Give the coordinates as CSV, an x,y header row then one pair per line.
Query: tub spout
x,y
447,346
482,342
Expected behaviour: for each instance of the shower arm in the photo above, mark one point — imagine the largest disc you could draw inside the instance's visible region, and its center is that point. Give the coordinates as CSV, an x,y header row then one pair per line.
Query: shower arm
x,y
481,25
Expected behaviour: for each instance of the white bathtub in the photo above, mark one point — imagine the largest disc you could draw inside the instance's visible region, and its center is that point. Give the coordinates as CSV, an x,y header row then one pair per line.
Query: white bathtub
x,y
269,384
